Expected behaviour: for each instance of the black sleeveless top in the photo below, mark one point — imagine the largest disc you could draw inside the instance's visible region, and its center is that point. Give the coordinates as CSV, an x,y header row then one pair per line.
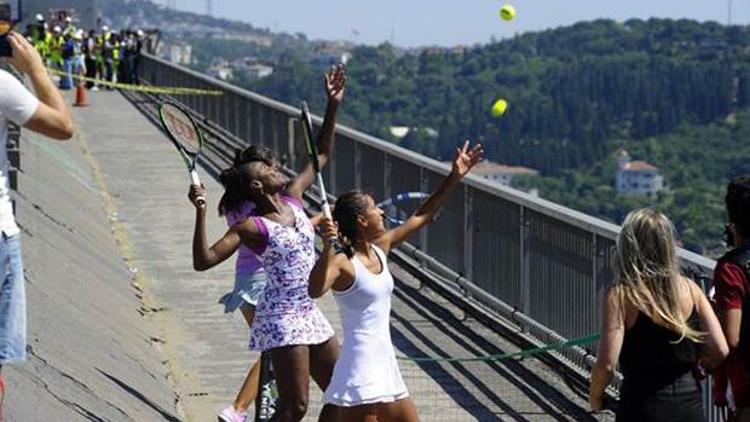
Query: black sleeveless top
x,y
650,360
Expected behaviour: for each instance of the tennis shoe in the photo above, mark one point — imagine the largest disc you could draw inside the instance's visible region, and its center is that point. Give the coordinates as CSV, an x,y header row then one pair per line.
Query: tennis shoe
x,y
231,415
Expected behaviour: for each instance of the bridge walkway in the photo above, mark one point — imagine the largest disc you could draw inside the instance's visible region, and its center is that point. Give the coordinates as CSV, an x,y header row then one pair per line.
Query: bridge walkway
x,y
205,351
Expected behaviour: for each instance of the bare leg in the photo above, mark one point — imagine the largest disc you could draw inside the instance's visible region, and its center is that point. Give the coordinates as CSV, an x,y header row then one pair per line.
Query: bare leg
x,y
399,411
322,360
249,388
292,367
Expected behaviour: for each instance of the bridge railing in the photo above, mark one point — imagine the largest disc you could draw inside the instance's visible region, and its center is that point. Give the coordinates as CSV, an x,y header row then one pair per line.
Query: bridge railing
x,y
513,252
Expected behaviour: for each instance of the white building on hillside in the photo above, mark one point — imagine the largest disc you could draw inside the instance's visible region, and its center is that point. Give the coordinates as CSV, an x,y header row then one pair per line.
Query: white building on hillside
x,y
220,69
260,70
179,53
500,173
637,177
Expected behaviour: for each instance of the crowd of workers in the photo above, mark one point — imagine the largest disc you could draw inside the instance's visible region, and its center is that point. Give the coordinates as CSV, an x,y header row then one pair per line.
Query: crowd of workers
x,y
106,55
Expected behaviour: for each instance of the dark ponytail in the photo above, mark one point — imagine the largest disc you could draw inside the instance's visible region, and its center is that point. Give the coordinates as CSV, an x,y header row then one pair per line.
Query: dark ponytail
x,y
345,212
237,157
236,184
235,179
253,153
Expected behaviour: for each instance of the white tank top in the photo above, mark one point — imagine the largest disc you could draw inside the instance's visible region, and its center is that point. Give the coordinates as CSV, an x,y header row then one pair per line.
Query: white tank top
x,y
366,371
365,306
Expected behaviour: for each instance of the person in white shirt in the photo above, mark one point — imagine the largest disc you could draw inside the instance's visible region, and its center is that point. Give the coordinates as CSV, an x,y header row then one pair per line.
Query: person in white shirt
x,y
47,114
367,383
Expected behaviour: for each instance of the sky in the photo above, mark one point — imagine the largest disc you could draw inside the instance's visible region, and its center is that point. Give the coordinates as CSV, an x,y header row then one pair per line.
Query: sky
x,y
410,23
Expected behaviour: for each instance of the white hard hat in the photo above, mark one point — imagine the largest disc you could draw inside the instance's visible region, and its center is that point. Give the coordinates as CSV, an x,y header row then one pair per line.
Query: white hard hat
x,y
56,29
39,17
140,33
105,28
68,19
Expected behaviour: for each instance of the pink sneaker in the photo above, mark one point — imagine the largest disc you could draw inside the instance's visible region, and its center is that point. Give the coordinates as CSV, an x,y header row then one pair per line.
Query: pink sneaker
x,y
231,415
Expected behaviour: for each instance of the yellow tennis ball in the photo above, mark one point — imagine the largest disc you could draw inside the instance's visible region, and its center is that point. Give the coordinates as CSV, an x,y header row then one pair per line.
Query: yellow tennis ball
x,y
507,12
498,109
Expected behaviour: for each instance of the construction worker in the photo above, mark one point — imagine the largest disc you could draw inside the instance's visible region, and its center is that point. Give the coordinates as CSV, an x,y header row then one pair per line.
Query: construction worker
x,y
116,56
70,29
37,34
55,44
131,50
101,68
79,62
107,46
68,57
140,39
90,48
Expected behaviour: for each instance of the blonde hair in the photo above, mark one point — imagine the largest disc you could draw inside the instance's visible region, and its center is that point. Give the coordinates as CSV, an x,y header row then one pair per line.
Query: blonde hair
x,y
647,274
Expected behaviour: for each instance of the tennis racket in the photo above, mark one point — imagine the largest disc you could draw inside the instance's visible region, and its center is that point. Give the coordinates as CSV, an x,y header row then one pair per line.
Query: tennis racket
x,y
268,392
312,151
186,137
401,204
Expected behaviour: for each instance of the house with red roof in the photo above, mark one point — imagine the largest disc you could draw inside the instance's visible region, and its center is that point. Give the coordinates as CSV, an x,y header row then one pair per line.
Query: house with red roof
x,y
636,177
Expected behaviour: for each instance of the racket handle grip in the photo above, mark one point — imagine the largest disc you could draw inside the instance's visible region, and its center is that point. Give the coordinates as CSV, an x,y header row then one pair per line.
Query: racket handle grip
x,y
327,210
327,213
195,180
333,239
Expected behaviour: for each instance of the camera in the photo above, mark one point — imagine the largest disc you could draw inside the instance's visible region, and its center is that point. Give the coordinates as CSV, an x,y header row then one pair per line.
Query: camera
x,y
5,26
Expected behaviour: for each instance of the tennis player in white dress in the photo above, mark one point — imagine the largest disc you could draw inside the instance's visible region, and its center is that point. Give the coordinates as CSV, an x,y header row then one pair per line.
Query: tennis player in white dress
x,y
366,383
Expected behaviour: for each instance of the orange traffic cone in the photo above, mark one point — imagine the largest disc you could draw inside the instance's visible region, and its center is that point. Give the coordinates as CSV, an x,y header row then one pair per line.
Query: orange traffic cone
x,y
81,97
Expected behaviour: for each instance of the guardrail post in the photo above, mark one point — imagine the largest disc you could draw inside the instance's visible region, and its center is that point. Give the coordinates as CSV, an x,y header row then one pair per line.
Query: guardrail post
x,y
259,112
292,157
225,105
525,241
601,256
357,166
234,116
423,187
245,122
595,261
331,171
468,266
387,166
274,129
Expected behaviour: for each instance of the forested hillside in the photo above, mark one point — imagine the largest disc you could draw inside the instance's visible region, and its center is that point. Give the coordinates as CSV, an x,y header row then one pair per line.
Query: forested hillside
x,y
674,93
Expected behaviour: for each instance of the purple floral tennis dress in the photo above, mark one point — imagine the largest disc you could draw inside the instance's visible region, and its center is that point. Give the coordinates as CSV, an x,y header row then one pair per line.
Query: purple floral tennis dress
x,y
286,315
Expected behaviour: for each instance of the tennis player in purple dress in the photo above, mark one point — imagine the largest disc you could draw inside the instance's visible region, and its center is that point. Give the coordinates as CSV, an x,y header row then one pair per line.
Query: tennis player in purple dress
x,y
287,322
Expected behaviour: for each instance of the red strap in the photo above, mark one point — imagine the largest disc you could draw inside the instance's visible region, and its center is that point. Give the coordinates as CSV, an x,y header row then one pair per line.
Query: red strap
x,y
2,396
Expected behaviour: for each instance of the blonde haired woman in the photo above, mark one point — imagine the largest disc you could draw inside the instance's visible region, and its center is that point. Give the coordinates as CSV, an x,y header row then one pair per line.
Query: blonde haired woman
x,y
659,325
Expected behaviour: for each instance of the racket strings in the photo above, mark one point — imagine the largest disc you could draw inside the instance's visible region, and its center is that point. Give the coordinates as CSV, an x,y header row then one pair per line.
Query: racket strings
x,y
183,129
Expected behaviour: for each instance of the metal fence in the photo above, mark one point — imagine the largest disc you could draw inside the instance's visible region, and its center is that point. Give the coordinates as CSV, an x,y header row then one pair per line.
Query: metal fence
x,y
516,252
